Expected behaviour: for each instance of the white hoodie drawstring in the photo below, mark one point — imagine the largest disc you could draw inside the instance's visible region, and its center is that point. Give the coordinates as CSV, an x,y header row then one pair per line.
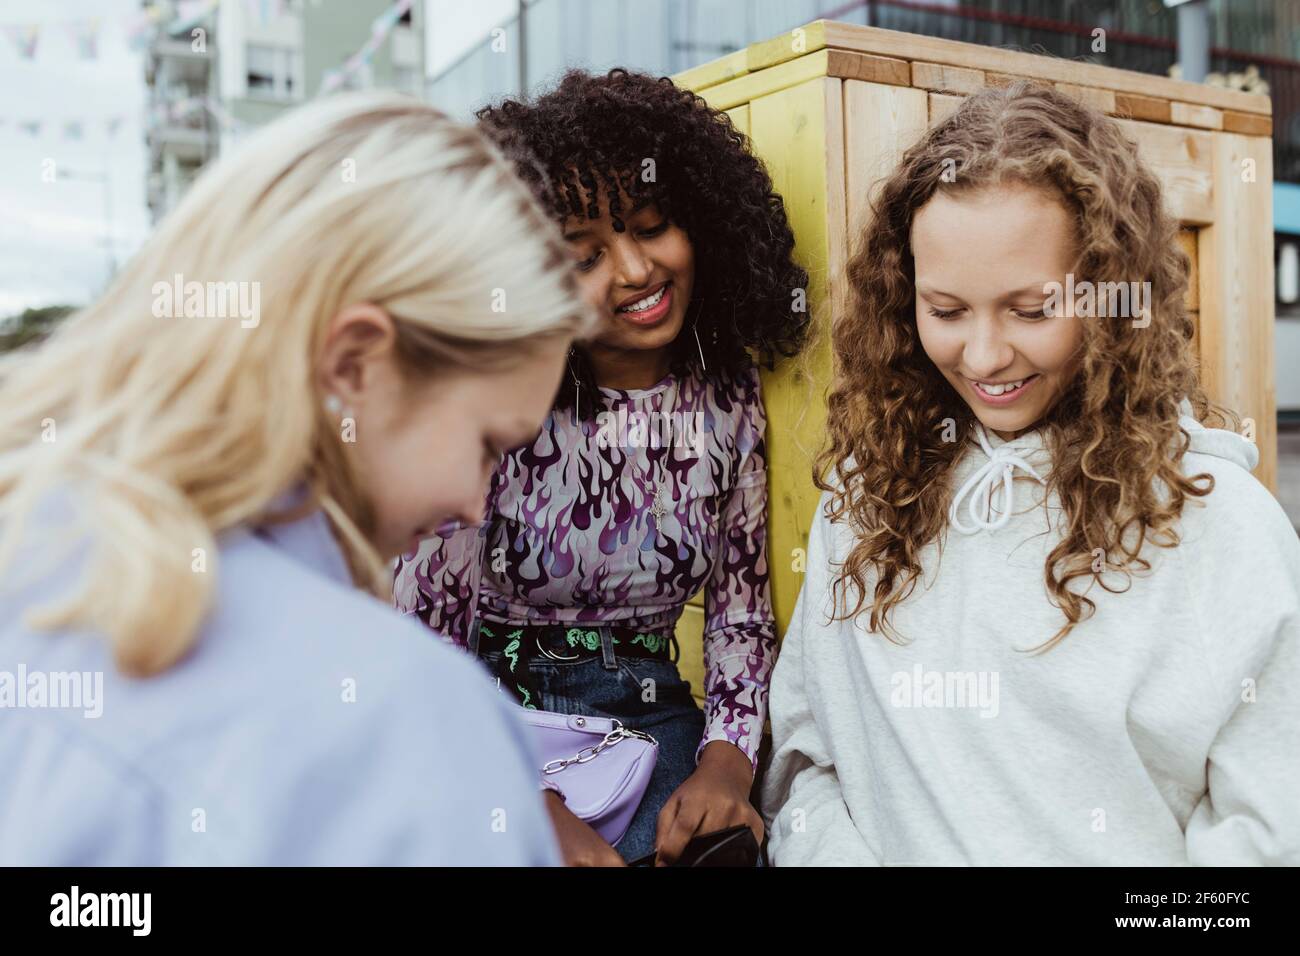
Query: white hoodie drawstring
x,y
981,486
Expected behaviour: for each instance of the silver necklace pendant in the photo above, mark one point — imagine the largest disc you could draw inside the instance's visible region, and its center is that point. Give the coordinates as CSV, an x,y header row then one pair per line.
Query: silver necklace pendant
x,y
658,510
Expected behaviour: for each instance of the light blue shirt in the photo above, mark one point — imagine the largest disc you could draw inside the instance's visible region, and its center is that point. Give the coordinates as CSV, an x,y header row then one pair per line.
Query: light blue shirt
x,y
311,724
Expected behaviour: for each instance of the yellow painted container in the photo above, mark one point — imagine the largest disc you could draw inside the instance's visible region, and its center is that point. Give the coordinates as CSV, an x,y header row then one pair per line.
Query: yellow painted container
x,y
830,107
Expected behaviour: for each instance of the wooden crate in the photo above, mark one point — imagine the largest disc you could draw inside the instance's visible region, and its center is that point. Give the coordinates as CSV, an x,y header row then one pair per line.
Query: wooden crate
x,y
831,106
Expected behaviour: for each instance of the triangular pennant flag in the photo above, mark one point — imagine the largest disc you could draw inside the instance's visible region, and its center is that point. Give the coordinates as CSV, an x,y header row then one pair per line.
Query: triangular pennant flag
x,y
25,36
141,25
30,127
73,129
85,33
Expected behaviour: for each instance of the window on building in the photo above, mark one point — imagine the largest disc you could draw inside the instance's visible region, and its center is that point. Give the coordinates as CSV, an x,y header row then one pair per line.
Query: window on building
x,y
272,71
1287,270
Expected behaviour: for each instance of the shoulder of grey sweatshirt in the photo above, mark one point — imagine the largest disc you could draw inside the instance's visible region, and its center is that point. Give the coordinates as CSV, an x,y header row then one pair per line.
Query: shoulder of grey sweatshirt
x,y
309,725
1237,567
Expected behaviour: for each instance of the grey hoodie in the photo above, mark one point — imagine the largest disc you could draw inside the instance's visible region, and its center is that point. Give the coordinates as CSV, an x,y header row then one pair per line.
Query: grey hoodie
x,y
1164,730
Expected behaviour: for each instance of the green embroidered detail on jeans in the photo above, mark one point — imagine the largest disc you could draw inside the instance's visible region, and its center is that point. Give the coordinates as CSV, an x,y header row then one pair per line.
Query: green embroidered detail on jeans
x,y
512,649
589,639
653,643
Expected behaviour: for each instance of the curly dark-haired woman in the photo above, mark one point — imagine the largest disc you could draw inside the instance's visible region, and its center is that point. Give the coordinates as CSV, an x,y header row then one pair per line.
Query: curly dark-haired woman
x,y
648,480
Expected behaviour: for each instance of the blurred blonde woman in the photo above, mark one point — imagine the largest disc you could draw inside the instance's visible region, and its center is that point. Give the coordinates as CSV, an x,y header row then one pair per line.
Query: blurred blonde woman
x,y
193,664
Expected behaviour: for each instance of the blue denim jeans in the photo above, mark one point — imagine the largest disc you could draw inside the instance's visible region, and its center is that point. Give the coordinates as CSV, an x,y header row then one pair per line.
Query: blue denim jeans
x,y
646,694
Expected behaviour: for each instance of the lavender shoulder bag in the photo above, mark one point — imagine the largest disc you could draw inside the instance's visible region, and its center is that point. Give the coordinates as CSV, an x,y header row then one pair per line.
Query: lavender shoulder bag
x,y
600,767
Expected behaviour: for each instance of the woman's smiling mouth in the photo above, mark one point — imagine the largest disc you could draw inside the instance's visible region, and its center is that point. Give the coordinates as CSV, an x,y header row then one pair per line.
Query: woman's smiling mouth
x,y
649,308
1002,393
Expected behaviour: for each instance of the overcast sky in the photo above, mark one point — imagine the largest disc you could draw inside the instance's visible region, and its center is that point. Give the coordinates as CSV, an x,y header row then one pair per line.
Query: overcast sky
x,y
54,237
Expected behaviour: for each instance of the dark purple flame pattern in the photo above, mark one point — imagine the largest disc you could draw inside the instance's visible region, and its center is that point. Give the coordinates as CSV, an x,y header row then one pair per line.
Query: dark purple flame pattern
x,y
568,538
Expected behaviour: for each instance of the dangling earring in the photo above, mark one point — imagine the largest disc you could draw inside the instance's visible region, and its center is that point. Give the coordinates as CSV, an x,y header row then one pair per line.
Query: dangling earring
x,y
576,387
695,327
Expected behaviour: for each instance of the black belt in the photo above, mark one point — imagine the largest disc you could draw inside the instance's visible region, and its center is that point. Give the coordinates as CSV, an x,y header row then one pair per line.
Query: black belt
x,y
514,646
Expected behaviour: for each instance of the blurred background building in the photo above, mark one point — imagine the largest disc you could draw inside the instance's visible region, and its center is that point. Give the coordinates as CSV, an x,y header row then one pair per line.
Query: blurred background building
x,y
213,69
223,68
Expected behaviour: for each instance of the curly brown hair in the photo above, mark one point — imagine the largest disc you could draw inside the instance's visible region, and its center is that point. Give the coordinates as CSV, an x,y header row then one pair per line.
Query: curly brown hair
x,y
1114,434
593,133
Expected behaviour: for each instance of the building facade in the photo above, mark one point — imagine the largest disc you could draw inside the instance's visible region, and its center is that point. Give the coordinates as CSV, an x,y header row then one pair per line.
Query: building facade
x,y
237,65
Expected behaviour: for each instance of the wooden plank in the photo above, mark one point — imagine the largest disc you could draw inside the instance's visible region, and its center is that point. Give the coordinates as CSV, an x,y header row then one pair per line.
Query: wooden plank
x,y
1193,114
837,252
690,626
754,85
789,46
740,118
946,79
1098,99
880,123
714,72
1248,124
1236,291
872,69
1187,242
797,133
942,106
849,36
1148,108
1182,159
690,641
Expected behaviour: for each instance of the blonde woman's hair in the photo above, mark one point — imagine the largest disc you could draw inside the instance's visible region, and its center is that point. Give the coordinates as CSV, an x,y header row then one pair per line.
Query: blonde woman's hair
x,y
167,431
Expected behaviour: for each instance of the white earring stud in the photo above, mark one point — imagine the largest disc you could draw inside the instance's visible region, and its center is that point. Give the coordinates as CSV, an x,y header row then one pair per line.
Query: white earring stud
x,y
333,404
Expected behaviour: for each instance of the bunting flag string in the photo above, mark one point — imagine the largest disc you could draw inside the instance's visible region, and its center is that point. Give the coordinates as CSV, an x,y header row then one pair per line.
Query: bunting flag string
x,y
139,27
85,34
172,17
75,130
379,30
24,37
178,16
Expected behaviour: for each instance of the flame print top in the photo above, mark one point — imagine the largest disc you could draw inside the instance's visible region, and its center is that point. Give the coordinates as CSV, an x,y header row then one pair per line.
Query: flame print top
x,y
570,536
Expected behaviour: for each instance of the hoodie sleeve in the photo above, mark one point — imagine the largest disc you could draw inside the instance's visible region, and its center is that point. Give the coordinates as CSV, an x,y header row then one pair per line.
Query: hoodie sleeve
x,y
807,818
1245,586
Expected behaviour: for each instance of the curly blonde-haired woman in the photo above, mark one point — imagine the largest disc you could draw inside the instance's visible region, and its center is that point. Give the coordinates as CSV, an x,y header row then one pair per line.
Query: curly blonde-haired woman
x,y
361,297
1049,616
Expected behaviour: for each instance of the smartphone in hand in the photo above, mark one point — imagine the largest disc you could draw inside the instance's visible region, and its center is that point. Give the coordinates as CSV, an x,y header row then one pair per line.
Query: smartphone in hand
x,y
734,846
